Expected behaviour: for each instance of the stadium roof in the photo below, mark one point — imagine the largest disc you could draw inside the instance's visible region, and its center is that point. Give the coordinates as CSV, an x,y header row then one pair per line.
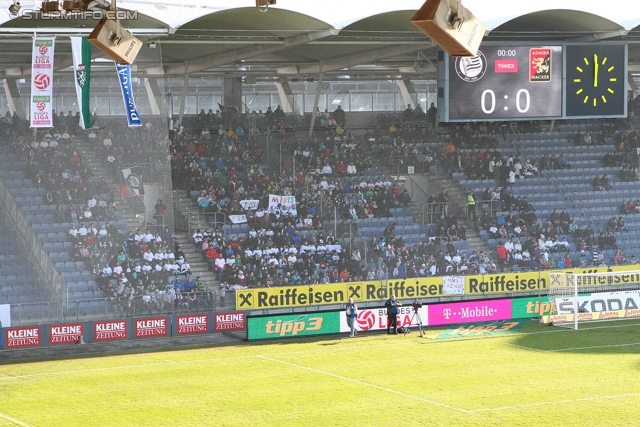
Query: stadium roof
x,y
304,38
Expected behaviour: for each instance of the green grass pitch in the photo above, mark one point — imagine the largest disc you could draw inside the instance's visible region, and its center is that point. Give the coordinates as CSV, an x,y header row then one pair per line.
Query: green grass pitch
x,y
540,376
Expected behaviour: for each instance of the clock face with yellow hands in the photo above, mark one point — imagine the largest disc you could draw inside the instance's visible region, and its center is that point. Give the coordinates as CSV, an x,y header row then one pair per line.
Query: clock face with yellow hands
x,y
595,79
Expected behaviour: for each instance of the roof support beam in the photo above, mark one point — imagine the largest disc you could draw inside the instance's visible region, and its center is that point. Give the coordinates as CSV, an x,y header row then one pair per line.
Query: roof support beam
x,y
183,98
215,60
11,91
286,94
407,90
344,61
600,36
316,101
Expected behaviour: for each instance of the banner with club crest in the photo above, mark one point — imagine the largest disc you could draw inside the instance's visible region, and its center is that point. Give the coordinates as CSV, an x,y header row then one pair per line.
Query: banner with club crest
x,y
81,51
42,82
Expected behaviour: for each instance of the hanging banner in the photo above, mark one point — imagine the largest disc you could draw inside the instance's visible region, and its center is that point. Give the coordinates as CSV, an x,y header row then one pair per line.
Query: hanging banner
x,y
249,204
81,51
282,205
238,219
42,82
134,181
124,75
453,285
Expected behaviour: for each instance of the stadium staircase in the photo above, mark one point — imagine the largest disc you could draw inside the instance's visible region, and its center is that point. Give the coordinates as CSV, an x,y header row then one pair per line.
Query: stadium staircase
x,y
570,188
130,211
420,186
457,206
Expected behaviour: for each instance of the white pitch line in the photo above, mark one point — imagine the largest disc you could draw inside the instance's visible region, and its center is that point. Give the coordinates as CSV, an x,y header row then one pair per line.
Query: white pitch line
x,y
366,384
110,368
402,343
13,420
593,346
572,348
169,362
525,347
582,399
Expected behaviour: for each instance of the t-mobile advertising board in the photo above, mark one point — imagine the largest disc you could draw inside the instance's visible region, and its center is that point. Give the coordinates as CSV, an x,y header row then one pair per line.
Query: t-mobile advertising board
x,y
465,312
375,319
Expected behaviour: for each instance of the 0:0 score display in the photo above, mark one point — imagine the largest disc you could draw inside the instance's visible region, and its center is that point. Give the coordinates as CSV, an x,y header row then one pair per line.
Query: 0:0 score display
x,y
488,101
517,82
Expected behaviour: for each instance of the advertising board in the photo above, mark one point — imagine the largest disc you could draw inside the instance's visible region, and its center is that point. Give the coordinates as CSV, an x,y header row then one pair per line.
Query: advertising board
x,y
110,330
192,324
465,312
69,333
375,319
530,307
22,337
151,327
292,325
234,321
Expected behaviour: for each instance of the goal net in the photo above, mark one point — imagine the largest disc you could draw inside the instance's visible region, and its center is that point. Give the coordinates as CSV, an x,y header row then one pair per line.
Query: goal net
x,y
593,297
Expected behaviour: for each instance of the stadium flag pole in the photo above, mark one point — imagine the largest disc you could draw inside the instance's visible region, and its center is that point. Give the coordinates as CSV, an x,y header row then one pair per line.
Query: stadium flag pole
x,y
575,296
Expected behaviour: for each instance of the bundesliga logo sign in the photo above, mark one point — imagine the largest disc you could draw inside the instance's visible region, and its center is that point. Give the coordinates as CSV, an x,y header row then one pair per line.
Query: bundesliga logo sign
x,y
41,81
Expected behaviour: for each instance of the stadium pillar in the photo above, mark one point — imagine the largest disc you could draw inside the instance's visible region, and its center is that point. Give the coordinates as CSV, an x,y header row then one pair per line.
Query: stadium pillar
x,y
315,103
183,99
286,94
11,91
232,92
153,93
407,90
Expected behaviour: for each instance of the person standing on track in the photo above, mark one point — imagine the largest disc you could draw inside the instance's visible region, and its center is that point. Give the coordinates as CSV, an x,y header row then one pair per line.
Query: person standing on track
x,y
392,314
352,313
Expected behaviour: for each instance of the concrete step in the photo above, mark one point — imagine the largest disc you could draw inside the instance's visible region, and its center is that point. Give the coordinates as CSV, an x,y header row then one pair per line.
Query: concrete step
x,y
199,267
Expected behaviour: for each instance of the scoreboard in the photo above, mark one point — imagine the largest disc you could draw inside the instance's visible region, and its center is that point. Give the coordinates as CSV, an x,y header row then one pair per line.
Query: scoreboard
x,y
546,81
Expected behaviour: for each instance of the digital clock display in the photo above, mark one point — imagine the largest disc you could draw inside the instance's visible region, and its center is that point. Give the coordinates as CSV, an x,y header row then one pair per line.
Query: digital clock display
x,y
506,82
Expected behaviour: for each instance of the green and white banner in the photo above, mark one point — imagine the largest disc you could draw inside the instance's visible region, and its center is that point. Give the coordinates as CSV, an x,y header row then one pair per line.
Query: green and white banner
x,y
81,51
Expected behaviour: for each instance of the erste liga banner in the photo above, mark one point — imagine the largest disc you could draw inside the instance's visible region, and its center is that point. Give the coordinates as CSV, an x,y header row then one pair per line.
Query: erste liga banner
x,y
42,82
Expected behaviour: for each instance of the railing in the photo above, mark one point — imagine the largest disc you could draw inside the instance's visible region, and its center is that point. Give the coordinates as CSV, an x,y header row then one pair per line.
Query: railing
x,y
431,212
570,196
328,211
400,164
32,245
109,308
